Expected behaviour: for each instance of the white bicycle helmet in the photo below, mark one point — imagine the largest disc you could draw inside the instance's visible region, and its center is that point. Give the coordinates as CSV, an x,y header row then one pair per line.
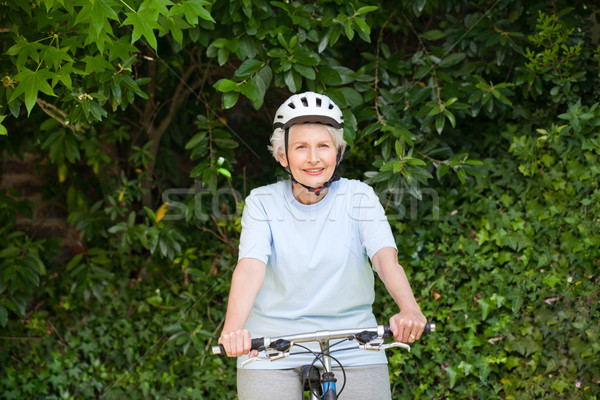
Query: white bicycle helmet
x,y
308,107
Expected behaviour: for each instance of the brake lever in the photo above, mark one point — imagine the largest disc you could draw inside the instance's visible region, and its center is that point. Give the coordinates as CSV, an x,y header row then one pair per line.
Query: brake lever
x,y
270,356
396,344
378,344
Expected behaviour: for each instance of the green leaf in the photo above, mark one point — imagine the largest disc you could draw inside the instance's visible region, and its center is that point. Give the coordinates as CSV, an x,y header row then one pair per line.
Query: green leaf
x,y
143,22
174,26
293,81
422,71
440,121
349,30
282,41
452,59
462,175
74,262
192,9
324,41
226,85
30,83
24,50
3,130
362,25
277,53
350,126
433,35
307,72
452,375
55,57
420,5
96,64
305,56
561,385
121,49
435,110
199,138
229,99
442,170
262,81
224,172
159,5
352,96
399,147
250,90
329,76
155,300
366,9
97,14
20,304
501,97
222,56
552,280
64,75
247,68
334,34
485,306
415,161
450,117
10,252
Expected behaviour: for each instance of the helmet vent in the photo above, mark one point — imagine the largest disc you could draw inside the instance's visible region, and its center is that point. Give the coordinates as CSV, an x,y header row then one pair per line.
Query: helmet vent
x,y
308,107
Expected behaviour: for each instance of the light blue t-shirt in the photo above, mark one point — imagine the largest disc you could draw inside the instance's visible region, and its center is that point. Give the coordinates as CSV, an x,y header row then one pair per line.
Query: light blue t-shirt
x,y
318,275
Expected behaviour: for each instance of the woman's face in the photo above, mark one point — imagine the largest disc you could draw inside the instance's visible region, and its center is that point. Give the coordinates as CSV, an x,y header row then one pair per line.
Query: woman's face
x,y
311,153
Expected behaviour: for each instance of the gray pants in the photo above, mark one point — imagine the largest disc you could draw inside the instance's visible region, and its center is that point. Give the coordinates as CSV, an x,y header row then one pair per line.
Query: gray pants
x,y
365,382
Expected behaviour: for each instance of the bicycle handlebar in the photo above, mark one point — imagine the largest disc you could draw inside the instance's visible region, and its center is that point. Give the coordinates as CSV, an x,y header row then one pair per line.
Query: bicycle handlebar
x,y
360,334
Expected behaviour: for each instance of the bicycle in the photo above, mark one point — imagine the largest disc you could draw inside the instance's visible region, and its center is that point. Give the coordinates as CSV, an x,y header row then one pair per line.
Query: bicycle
x,y
322,386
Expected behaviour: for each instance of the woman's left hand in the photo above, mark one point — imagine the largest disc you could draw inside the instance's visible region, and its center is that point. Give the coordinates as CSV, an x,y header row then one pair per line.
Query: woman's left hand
x,y
408,325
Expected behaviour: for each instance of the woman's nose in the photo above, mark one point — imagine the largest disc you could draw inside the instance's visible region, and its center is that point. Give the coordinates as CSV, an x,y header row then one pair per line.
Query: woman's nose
x,y
313,156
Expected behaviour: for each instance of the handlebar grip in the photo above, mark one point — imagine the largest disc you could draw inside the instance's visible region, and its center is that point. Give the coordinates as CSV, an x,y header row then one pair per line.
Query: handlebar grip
x,y
257,343
387,332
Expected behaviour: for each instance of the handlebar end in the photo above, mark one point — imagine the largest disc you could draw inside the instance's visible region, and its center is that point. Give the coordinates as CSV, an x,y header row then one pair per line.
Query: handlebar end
x,y
218,350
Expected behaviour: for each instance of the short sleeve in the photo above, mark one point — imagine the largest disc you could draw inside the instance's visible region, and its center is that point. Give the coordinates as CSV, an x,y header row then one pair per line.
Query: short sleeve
x,y
374,228
256,237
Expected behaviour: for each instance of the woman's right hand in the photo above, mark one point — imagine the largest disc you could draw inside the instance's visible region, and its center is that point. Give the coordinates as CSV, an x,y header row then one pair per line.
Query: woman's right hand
x,y
237,343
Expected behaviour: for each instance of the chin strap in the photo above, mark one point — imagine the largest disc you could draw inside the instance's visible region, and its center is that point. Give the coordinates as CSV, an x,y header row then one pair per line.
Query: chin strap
x,y
317,191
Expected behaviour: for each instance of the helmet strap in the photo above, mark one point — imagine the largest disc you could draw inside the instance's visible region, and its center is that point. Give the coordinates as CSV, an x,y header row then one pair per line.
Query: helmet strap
x,y
317,191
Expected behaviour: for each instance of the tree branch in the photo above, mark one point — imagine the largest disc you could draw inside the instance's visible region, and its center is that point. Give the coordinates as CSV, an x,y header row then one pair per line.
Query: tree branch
x,y
56,113
376,84
435,79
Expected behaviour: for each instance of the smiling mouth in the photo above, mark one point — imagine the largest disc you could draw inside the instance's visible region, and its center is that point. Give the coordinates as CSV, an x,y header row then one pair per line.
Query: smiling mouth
x,y
314,171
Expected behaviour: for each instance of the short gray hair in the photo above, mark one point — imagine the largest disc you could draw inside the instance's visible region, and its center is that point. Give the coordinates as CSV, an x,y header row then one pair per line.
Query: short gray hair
x,y
278,140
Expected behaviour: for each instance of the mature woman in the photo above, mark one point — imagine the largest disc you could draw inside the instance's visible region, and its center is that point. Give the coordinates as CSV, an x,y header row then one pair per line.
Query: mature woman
x,y
304,260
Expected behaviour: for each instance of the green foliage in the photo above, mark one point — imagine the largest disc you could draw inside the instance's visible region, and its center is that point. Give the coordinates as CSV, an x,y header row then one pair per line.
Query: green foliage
x,y
509,268
476,123
22,259
120,349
